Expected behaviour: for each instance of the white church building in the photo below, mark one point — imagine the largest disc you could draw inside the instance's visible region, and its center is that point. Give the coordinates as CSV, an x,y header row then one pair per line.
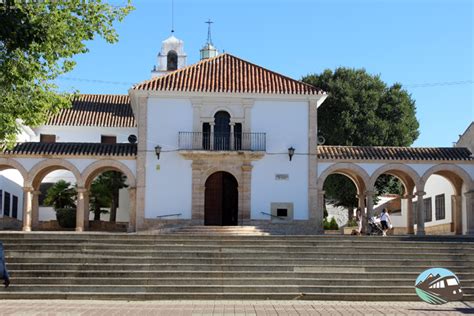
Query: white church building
x,y
219,142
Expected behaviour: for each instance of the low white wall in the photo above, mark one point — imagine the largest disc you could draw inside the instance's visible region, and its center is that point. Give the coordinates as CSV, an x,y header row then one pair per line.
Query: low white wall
x,y
84,134
437,185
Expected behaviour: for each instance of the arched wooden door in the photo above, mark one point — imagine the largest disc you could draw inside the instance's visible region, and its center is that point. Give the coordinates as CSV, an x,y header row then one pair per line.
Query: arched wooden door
x,y
221,200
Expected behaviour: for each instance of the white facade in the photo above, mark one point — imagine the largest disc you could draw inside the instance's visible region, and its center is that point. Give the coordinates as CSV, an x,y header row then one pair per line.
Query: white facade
x,y
84,133
271,117
168,180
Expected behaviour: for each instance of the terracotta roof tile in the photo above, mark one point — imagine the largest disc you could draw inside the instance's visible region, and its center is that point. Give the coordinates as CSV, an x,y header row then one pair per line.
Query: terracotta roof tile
x,y
227,74
74,149
393,153
103,110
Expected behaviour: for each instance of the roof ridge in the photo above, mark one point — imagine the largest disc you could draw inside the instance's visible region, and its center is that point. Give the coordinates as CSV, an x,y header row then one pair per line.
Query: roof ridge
x,y
381,146
276,73
177,71
101,94
207,76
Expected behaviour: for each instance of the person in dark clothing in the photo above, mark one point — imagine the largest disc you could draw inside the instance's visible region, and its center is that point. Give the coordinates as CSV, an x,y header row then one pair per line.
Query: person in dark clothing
x,y
3,267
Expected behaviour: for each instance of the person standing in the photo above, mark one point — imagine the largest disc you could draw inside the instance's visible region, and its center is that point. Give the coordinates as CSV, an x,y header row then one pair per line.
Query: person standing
x,y
3,267
385,221
359,221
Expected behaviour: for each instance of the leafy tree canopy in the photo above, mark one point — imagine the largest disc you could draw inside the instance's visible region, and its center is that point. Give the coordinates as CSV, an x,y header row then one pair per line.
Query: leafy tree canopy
x,y
362,110
105,193
61,195
38,40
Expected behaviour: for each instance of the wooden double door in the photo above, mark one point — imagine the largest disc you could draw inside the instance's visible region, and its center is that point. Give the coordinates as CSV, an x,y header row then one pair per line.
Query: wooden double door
x,y
221,201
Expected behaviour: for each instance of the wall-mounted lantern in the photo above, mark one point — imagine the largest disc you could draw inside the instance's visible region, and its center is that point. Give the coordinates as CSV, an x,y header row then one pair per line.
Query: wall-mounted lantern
x,y
158,151
291,152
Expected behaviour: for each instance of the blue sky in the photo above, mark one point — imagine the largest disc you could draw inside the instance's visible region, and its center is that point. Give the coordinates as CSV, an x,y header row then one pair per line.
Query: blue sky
x,y
414,42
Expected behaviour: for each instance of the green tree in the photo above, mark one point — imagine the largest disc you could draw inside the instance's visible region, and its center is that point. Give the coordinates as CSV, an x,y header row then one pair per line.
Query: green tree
x,y
110,183
362,110
61,195
38,40
100,197
340,192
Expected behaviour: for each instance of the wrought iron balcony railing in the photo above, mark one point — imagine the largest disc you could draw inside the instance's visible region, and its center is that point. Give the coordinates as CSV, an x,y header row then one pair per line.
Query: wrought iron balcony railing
x,y
222,141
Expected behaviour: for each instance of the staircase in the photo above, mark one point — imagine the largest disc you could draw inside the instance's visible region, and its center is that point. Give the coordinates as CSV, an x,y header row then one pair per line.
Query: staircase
x,y
216,265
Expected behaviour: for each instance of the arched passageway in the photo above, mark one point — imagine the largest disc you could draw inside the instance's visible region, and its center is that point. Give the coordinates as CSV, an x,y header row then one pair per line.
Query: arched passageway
x,y
55,169
446,204
122,204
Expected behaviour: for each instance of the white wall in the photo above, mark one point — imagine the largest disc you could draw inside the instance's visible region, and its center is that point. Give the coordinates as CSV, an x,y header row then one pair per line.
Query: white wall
x,y
169,179
434,186
15,189
285,124
84,134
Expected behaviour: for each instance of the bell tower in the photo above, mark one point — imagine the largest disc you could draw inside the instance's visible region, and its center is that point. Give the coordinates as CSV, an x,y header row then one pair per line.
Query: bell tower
x,y
171,57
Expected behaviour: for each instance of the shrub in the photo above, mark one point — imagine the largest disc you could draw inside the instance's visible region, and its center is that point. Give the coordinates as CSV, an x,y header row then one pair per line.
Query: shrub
x,y
66,217
333,224
352,223
330,225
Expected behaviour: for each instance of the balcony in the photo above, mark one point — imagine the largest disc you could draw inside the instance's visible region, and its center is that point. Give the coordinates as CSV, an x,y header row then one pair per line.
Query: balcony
x,y
222,141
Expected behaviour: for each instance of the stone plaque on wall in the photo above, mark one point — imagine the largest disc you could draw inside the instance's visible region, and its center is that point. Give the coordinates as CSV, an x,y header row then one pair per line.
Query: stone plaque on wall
x,y
282,177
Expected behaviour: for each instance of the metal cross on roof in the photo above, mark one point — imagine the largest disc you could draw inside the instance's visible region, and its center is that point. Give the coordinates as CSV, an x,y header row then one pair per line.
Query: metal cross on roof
x,y
209,39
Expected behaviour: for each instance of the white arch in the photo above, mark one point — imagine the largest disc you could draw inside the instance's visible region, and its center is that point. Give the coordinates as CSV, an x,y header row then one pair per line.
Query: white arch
x,y
451,169
7,163
45,166
209,172
351,170
398,167
97,167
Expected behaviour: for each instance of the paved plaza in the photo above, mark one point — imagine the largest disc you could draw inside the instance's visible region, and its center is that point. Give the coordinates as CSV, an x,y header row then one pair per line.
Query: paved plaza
x,y
177,308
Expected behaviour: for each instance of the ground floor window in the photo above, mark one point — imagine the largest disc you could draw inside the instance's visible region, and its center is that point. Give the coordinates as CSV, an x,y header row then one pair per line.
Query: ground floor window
x,y
428,217
440,207
15,206
6,204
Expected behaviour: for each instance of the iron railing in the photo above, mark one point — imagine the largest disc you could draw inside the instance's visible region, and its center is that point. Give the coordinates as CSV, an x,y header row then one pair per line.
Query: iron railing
x,y
222,141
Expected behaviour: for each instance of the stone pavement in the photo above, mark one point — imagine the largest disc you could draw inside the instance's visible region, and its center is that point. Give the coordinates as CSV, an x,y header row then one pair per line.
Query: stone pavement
x,y
178,308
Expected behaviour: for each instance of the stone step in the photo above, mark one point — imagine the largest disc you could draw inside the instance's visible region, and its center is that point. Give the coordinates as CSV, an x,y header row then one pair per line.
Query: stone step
x,y
270,240
136,238
218,267
334,253
315,261
221,247
221,281
218,289
193,265
139,296
235,253
354,273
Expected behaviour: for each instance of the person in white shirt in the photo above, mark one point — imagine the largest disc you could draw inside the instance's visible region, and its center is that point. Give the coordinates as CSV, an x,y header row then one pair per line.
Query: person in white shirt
x,y
359,221
385,221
